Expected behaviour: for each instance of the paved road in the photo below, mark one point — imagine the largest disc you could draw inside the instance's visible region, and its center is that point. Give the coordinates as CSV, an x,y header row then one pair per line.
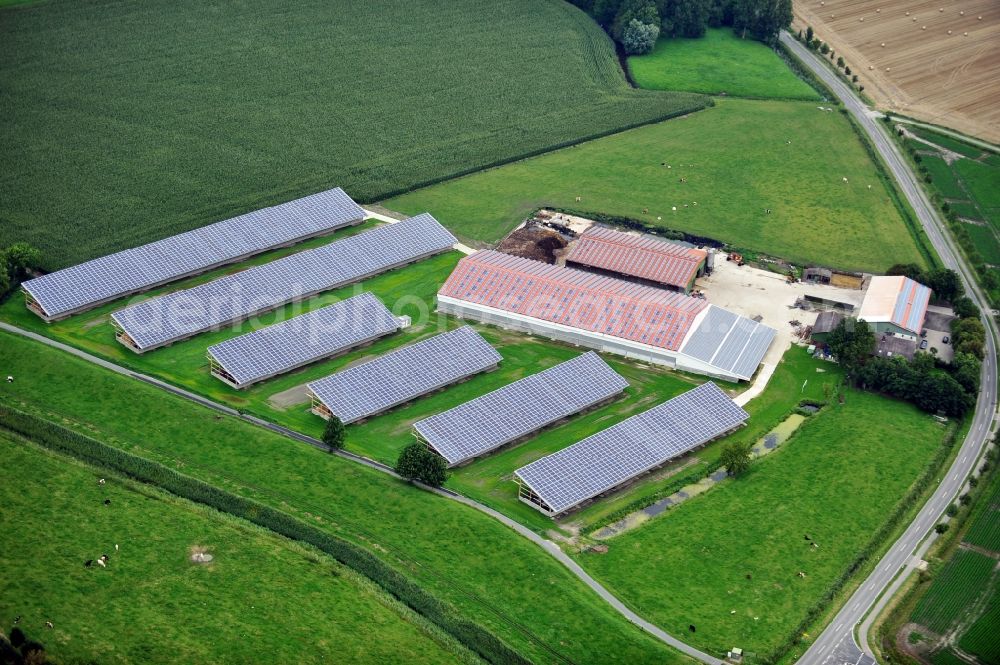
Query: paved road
x,y
836,645
547,545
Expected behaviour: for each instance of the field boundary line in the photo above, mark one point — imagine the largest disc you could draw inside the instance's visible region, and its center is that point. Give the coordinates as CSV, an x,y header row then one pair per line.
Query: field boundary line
x,y
546,545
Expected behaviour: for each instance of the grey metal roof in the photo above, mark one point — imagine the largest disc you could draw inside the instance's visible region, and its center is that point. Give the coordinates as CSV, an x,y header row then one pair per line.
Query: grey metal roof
x,y
732,344
397,377
520,408
215,304
612,456
304,339
171,258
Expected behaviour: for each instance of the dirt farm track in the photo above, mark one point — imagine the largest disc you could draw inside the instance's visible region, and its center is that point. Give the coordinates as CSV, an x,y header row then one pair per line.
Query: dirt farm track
x,y
934,60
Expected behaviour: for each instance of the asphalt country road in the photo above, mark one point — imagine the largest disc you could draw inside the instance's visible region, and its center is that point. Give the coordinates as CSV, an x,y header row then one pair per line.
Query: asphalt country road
x,y
836,644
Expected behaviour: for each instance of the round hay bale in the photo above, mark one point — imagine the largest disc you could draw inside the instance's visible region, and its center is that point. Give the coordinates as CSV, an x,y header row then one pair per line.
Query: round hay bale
x,y
883,44
924,27
949,32
965,34
862,19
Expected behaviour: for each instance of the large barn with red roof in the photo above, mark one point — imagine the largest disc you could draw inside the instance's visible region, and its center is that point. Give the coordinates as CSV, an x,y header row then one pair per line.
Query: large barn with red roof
x,y
604,313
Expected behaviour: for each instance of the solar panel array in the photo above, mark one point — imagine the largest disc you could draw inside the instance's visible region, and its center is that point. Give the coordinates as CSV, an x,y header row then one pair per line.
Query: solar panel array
x,y
303,339
632,447
404,374
213,305
574,298
732,344
88,284
520,408
637,255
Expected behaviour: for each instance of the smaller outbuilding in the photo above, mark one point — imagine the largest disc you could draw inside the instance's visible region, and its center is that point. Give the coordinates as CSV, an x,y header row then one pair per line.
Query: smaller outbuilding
x,y
825,324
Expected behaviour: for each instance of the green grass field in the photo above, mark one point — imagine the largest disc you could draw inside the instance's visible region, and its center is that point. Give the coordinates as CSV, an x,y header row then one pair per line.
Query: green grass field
x,y
981,637
956,587
986,242
740,547
944,178
798,377
985,529
488,572
816,216
262,598
983,182
137,121
718,63
947,142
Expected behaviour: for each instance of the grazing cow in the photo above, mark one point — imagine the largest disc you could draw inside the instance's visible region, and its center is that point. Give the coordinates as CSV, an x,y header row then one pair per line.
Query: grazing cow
x,y
100,562
88,563
107,502
48,624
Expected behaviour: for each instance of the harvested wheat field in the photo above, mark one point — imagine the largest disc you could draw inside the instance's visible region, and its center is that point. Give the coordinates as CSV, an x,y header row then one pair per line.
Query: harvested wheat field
x,y
934,60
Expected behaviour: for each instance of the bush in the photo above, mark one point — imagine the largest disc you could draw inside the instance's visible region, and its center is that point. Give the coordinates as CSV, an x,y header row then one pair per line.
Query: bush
x,y
952,510
417,462
941,527
965,499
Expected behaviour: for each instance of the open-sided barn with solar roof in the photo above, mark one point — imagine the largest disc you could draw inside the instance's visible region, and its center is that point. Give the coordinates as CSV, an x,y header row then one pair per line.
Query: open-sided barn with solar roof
x,y
395,378
558,482
606,314
520,408
225,301
301,340
642,257
81,287
896,305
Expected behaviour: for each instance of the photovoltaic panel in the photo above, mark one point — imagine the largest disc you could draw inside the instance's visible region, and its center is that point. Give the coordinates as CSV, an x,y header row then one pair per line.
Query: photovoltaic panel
x,y
88,284
301,340
224,301
630,448
520,408
404,374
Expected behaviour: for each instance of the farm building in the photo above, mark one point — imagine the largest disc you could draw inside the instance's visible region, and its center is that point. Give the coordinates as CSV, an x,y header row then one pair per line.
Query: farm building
x,y
606,314
895,305
643,258
825,323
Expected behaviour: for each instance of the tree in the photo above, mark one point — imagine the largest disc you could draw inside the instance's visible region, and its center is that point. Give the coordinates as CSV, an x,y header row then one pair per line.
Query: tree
x,y
604,12
16,262
945,283
643,11
334,433
966,367
809,34
736,458
847,70
761,19
640,38
840,62
823,48
417,462
969,336
965,308
852,342
684,18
